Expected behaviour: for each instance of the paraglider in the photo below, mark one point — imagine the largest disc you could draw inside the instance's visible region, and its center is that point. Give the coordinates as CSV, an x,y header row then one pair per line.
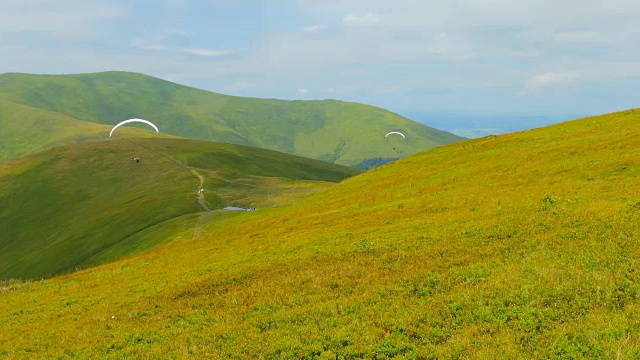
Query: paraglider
x,y
397,133
134,120
397,144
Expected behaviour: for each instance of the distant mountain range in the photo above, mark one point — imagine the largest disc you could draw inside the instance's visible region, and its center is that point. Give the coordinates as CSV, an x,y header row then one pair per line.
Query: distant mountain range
x,y
472,125
39,111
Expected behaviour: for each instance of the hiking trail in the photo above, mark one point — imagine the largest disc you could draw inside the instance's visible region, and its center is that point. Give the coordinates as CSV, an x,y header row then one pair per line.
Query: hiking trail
x,y
202,201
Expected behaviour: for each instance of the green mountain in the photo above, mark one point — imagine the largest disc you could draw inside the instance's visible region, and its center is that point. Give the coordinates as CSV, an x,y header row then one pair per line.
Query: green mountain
x,y
84,204
333,131
25,130
518,246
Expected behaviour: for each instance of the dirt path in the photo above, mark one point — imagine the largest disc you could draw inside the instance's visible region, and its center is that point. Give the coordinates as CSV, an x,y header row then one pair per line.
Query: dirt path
x,y
202,201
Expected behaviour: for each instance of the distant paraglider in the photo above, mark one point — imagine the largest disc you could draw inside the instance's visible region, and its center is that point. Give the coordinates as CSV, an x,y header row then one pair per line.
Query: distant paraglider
x,y
397,144
134,120
397,133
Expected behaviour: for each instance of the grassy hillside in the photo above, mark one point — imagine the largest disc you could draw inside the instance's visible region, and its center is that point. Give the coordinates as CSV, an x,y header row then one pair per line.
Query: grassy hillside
x,y
522,245
25,130
330,130
79,205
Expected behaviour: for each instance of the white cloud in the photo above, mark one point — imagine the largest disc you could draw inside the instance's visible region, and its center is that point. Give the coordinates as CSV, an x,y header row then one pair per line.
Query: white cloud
x,y
207,52
554,78
167,39
145,45
353,46
160,46
496,27
302,93
580,73
70,19
314,29
173,40
360,20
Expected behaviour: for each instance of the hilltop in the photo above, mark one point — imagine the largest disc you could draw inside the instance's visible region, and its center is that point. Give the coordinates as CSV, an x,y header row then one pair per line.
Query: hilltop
x,y
78,205
522,245
330,130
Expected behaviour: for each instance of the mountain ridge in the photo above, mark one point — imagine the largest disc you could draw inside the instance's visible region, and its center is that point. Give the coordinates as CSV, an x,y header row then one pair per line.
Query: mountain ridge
x,y
310,128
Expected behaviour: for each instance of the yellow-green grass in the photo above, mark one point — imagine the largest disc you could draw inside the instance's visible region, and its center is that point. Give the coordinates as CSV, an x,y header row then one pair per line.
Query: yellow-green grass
x,y
79,205
330,130
522,245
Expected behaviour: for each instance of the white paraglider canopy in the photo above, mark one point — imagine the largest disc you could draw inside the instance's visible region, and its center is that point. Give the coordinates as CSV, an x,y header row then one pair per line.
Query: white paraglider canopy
x,y
396,132
134,120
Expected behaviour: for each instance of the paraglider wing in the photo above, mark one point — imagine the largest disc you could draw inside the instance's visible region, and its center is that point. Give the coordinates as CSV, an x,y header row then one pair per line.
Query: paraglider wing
x,y
396,132
134,120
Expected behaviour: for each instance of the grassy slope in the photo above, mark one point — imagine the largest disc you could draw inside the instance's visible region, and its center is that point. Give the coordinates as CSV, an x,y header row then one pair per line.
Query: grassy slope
x,y
78,205
523,245
335,131
25,130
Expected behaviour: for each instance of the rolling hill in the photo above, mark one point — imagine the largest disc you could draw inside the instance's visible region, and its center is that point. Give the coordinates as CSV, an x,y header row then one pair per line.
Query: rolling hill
x,y
26,130
522,245
78,205
330,130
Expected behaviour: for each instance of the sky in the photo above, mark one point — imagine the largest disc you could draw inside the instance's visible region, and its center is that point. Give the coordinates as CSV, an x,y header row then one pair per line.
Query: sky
x,y
474,66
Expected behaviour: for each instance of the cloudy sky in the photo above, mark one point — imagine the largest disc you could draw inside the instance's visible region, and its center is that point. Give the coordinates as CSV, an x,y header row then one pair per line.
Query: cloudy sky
x,y
516,60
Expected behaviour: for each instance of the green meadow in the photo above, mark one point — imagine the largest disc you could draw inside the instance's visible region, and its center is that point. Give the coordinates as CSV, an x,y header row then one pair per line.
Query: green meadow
x,y
75,206
334,131
522,245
